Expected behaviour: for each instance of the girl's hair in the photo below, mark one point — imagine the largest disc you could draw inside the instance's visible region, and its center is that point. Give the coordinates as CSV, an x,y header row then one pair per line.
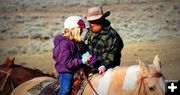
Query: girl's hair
x,y
72,34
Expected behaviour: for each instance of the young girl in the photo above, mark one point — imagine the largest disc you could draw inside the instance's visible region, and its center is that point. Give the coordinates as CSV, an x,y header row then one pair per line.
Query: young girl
x,y
67,53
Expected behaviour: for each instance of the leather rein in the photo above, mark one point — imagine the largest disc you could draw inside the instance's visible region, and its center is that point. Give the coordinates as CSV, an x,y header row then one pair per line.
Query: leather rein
x,y
88,81
156,75
8,73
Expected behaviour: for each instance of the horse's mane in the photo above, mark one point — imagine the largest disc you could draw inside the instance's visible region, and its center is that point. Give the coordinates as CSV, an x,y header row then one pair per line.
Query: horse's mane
x,y
33,70
21,66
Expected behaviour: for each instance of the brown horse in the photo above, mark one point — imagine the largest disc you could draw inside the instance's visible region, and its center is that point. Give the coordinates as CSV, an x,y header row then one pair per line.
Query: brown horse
x,y
12,75
126,80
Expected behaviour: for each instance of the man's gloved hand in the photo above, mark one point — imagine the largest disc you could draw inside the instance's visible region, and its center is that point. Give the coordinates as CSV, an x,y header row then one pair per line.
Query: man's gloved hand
x,y
102,69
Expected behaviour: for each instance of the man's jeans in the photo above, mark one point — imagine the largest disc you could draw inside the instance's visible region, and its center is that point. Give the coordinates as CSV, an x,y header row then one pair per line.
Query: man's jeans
x,y
65,81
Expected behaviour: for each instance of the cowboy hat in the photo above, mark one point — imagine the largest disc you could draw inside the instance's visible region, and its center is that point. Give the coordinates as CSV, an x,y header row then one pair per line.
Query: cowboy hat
x,y
96,13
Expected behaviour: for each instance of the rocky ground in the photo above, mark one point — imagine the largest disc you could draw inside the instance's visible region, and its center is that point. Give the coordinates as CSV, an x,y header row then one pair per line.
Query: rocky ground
x,y
147,28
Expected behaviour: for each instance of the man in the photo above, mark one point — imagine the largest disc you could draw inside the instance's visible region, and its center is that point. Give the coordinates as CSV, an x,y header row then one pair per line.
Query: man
x,y
103,40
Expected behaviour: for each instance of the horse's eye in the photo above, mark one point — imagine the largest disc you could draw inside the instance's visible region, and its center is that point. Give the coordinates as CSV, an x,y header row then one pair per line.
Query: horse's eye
x,y
152,88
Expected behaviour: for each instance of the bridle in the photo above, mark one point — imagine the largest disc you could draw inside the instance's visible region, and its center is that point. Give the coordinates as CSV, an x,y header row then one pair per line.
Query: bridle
x,y
156,75
8,73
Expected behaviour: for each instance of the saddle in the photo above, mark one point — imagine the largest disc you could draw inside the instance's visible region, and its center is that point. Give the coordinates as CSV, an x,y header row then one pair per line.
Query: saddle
x,y
52,88
79,81
78,84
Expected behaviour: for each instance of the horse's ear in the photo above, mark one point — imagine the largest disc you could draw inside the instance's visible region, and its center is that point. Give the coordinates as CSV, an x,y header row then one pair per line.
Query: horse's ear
x,y
12,60
157,63
142,65
9,62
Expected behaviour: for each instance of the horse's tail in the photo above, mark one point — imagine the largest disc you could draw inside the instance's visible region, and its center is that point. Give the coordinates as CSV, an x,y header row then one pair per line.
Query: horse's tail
x,y
50,89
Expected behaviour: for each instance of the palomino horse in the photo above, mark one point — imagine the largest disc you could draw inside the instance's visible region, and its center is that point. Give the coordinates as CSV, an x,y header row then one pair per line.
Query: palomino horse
x,y
132,80
12,75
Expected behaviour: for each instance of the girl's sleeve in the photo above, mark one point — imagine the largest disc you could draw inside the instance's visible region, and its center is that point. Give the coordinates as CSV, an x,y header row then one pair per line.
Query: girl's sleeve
x,y
66,57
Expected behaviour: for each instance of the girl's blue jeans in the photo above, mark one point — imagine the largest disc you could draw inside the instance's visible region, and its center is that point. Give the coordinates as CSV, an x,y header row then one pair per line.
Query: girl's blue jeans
x,y
65,81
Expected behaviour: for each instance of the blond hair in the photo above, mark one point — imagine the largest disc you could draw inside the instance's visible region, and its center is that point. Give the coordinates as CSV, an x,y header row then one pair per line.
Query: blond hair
x,y
72,34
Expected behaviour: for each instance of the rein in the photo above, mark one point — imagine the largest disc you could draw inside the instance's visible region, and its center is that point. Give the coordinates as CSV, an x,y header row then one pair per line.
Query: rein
x,y
156,75
88,81
8,73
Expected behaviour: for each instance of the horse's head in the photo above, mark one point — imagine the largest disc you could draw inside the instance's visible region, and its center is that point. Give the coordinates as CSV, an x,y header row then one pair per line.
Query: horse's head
x,y
12,75
151,78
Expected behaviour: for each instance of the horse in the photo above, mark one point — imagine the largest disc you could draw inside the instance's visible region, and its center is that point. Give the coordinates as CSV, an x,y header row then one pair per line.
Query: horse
x,y
12,75
139,79
130,80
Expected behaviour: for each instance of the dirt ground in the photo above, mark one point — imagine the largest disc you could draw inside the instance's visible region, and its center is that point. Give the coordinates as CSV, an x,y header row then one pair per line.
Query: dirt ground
x,y
168,51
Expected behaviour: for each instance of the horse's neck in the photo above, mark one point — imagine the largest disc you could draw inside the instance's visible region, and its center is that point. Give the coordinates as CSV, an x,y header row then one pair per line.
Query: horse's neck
x,y
140,88
21,74
134,81
122,78
130,77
